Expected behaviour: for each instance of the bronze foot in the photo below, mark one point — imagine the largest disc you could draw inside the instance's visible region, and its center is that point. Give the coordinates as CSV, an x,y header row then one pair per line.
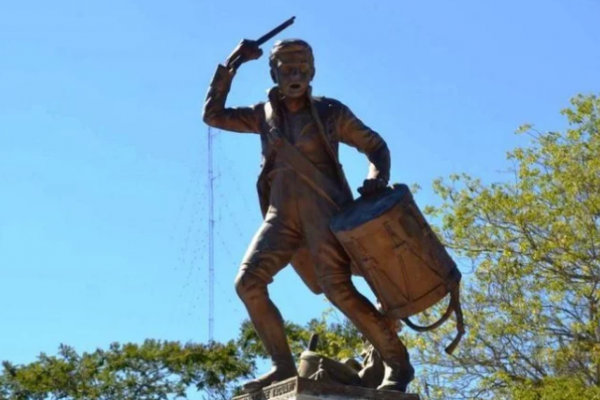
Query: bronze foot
x,y
277,374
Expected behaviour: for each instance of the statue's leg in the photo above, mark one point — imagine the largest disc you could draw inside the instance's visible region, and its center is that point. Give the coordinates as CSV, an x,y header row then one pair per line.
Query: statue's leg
x,y
333,271
373,325
271,250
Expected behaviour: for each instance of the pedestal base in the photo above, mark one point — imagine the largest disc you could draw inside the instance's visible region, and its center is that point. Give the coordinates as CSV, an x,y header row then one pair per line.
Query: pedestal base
x,y
306,389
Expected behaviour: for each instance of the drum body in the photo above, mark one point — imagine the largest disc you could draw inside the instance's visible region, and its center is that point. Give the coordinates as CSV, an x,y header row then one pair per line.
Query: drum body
x,y
396,251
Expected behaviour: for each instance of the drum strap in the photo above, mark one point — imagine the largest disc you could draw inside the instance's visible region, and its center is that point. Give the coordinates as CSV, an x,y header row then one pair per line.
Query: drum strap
x,y
308,172
453,306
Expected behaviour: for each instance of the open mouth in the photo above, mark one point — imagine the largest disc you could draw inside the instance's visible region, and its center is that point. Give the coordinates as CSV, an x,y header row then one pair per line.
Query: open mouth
x,y
295,86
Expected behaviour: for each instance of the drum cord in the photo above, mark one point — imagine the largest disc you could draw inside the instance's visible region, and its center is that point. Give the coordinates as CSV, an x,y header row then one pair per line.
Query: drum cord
x,y
453,306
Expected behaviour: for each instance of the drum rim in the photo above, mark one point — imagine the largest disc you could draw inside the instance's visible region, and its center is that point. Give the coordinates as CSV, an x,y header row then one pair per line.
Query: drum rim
x,y
338,221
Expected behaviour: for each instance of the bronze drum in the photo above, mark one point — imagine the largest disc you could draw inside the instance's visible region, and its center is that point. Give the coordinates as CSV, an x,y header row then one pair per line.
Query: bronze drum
x,y
401,258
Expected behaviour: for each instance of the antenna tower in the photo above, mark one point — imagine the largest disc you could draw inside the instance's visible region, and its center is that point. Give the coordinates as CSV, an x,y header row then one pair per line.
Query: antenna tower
x,y
211,241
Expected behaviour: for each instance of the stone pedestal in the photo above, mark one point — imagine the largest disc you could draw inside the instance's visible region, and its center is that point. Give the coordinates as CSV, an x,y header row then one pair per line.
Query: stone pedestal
x,y
305,389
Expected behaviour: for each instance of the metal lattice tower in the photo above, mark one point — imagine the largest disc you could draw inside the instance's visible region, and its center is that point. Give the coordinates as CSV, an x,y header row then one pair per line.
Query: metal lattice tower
x,y
211,242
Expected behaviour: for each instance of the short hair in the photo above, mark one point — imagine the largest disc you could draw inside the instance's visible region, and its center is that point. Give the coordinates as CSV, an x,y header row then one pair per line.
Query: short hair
x,y
289,45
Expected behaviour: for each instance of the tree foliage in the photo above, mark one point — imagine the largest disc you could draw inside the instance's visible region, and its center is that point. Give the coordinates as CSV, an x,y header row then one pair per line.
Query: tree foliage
x,y
532,301
556,388
154,370
158,370
338,338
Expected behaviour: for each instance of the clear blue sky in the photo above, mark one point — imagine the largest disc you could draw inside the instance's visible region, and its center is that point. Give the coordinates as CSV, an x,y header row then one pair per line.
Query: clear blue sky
x,y
103,209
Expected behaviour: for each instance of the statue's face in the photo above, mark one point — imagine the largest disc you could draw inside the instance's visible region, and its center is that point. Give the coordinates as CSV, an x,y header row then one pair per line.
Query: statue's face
x,y
293,73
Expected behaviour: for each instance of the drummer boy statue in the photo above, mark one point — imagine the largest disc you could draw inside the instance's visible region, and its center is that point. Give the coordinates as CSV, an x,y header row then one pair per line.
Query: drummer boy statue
x,y
301,187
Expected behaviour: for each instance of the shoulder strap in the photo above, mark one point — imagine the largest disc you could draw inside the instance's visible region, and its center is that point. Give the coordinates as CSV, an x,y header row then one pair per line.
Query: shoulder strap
x,y
309,173
304,167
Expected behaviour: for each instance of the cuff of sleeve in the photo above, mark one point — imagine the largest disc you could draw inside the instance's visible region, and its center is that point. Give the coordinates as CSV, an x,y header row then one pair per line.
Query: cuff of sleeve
x,y
378,175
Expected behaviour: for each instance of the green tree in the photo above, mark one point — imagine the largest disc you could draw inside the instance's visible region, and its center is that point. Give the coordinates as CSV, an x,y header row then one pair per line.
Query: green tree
x,y
154,370
563,388
158,370
338,337
532,300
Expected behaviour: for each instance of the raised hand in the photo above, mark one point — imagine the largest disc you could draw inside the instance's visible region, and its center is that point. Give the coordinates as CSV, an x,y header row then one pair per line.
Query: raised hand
x,y
245,51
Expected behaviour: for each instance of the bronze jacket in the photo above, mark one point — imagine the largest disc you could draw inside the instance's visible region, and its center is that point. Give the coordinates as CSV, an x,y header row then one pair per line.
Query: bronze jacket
x,y
336,124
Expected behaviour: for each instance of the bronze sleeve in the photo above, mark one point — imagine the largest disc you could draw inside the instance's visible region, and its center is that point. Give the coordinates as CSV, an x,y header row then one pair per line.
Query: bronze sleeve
x,y
215,114
355,133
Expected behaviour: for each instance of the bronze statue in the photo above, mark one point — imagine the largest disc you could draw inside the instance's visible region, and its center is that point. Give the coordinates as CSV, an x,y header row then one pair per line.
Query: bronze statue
x,y
301,187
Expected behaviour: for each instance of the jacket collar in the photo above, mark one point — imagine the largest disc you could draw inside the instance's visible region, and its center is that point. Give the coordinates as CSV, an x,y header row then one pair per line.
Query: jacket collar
x,y
275,97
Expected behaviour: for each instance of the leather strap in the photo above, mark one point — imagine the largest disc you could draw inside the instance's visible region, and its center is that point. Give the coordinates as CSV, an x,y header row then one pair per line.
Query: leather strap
x,y
308,172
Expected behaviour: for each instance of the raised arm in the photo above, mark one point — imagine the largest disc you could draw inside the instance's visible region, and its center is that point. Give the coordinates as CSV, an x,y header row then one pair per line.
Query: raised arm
x,y
355,133
237,119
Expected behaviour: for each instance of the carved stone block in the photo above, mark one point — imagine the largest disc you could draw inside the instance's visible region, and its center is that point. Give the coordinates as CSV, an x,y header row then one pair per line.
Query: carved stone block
x,y
306,389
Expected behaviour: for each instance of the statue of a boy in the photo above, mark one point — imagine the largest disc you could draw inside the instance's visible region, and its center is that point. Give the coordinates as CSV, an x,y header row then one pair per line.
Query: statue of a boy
x,y
296,212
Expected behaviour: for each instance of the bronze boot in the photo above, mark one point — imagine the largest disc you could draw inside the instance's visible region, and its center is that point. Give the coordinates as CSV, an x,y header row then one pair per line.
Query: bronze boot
x,y
397,377
378,331
283,368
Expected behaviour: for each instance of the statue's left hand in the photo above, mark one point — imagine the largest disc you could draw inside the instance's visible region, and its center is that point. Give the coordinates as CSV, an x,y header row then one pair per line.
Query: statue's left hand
x,y
372,186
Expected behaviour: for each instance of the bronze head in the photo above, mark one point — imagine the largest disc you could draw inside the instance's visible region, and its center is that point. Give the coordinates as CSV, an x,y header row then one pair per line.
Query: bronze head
x,y
292,66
